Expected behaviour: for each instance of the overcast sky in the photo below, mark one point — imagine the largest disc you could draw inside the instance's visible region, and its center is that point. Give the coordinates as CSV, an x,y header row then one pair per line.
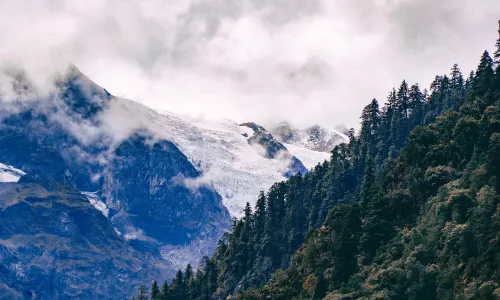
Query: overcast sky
x,y
306,61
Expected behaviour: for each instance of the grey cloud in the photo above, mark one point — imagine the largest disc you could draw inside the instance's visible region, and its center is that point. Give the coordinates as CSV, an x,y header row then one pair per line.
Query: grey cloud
x,y
316,61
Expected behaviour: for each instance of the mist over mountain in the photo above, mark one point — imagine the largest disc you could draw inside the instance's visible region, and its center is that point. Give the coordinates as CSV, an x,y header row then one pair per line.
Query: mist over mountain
x,y
160,184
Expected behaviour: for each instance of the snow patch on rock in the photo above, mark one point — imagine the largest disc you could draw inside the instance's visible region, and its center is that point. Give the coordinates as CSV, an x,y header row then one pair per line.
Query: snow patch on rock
x,y
10,174
308,157
96,202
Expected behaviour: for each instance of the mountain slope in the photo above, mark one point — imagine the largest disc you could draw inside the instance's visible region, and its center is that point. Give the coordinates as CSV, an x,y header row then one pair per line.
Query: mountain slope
x,y
413,208
155,177
55,245
75,137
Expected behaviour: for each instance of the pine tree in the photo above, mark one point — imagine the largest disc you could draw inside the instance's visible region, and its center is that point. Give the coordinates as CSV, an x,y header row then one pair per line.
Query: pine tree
x,y
368,189
188,282
188,274
155,291
246,240
275,215
370,122
435,101
260,215
165,291
482,83
248,220
177,288
416,104
496,55
457,87
402,100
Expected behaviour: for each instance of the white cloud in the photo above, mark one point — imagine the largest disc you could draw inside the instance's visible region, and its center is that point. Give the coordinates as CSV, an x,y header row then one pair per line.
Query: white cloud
x,y
306,61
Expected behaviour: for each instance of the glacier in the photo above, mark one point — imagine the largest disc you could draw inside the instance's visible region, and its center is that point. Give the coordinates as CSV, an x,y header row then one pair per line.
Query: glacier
x,y
219,150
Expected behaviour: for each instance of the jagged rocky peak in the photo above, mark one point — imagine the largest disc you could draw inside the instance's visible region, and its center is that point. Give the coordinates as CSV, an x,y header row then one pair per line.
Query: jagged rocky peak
x,y
269,147
265,139
82,95
316,137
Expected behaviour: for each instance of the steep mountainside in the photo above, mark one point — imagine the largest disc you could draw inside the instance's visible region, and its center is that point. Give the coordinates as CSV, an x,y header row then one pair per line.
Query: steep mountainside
x,y
74,137
409,208
55,245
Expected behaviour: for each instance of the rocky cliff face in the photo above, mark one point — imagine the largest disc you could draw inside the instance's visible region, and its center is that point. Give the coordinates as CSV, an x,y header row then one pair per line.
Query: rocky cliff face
x,y
55,245
271,148
144,185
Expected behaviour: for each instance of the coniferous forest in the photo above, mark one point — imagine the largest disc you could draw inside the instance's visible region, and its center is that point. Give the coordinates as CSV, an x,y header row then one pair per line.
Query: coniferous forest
x,y
409,208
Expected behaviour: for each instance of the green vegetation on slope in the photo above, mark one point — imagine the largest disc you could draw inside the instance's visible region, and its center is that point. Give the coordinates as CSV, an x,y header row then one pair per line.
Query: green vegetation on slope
x,y
408,209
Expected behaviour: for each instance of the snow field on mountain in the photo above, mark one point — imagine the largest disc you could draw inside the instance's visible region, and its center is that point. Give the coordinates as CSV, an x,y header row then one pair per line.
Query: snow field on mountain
x,y
9,173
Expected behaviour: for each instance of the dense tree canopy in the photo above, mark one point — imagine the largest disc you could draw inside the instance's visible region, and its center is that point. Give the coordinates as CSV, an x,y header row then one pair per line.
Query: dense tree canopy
x,y
409,208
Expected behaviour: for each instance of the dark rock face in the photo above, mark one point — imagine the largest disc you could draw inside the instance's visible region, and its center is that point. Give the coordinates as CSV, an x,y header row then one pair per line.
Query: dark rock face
x,y
273,149
145,179
139,177
82,96
55,245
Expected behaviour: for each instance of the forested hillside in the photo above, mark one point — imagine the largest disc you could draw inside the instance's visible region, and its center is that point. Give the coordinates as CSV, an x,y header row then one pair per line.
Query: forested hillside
x,y
407,209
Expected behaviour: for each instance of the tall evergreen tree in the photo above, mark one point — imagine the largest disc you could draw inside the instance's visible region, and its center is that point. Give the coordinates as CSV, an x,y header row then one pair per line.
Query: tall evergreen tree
x,y
188,274
483,82
369,188
370,122
416,104
496,55
177,288
260,214
165,291
402,100
457,90
155,291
